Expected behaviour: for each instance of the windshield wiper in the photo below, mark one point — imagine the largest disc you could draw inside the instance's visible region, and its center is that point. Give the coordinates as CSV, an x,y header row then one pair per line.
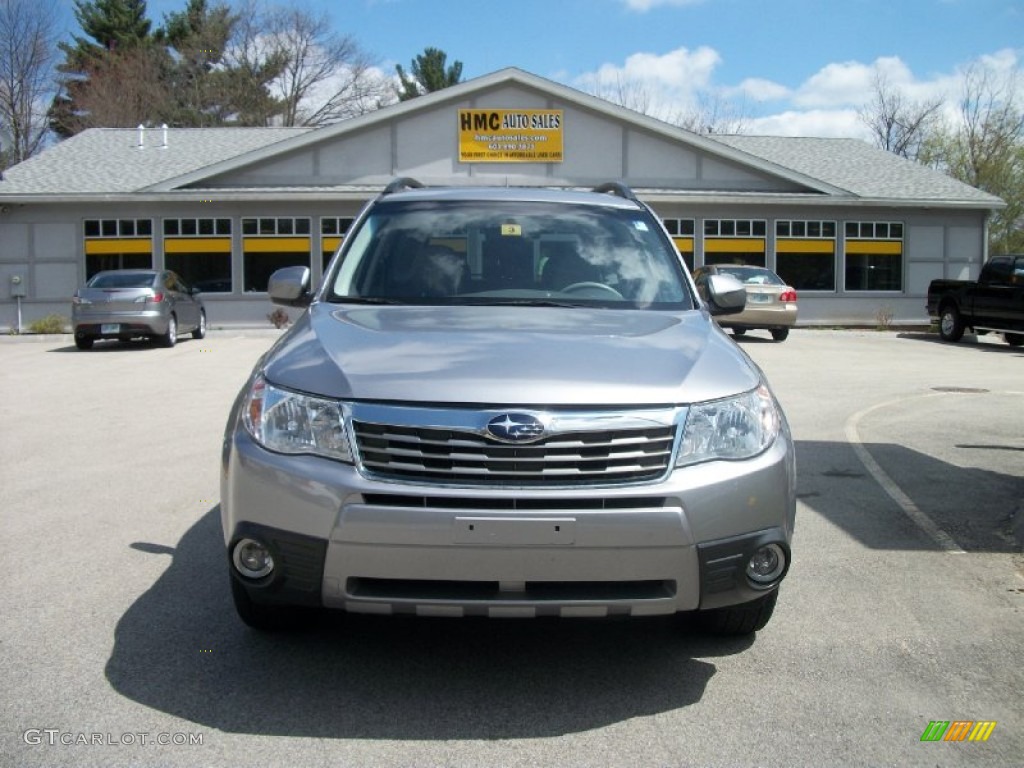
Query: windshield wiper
x,y
363,300
495,302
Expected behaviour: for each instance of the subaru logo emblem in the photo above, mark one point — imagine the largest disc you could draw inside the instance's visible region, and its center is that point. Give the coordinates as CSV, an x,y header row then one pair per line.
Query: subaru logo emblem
x,y
515,428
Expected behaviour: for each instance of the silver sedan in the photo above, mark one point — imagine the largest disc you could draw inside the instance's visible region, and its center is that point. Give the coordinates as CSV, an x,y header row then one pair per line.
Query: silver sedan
x,y
771,304
127,303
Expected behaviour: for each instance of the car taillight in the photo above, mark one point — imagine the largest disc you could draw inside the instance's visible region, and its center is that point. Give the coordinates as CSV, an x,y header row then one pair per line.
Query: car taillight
x,y
156,298
788,296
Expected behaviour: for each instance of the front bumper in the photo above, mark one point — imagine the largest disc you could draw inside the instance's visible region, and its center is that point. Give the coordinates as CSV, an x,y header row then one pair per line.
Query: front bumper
x,y
345,541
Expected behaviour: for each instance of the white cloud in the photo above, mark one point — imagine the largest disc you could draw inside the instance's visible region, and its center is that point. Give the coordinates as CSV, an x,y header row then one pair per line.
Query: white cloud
x,y
658,85
824,123
760,90
827,103
836,85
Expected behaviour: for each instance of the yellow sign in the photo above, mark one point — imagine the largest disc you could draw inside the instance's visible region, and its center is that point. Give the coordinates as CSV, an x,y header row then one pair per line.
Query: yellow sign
x,y
511,135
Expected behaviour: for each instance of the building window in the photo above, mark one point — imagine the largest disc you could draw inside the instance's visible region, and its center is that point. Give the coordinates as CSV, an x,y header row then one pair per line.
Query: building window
x,y
682,233
332,233
735,241
199,250
268,244
117,244
874,255
805,254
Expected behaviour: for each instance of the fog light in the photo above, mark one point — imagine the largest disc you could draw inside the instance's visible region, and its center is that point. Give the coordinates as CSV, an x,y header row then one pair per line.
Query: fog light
x,y
252,559
766,565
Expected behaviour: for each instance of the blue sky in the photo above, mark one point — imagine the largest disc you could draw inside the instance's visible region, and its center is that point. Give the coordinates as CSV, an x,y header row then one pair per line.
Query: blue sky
x,y
797,67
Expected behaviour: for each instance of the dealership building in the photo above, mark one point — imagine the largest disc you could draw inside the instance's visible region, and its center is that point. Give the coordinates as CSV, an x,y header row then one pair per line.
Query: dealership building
x,y
859,232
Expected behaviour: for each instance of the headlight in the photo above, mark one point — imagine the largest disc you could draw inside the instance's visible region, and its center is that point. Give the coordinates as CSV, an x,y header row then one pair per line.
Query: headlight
x,y
287,422
735,428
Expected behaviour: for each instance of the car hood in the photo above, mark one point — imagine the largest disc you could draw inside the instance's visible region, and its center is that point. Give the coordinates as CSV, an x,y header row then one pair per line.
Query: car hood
x,y
512,355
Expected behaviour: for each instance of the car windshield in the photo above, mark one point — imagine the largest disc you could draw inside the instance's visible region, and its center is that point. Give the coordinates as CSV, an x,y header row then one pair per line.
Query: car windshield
x,y
752,275
122,280
488,252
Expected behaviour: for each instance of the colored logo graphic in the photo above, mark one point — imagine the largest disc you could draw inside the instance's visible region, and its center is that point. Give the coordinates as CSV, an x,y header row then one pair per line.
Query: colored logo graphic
x,y
958,730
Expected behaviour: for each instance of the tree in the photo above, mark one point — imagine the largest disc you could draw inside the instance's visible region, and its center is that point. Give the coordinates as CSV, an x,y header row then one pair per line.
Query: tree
x,y
709,113
984,147
325,77
898,125
120,43
199,36
429,74
28,46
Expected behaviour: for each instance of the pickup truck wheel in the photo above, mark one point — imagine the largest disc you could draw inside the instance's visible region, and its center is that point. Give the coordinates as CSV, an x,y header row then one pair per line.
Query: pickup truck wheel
x,y
739,619
951,326
1014,339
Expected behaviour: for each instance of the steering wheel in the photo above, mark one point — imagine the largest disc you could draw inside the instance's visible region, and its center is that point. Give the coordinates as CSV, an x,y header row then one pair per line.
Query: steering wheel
x,y
591,288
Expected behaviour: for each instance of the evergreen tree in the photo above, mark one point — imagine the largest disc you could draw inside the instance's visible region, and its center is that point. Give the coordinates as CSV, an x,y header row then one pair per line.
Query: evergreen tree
x,y
429,74
199,36
118,45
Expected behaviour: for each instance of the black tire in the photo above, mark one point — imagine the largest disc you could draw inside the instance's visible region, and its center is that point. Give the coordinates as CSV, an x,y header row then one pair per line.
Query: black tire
x,y
951,325
200,331
738,331
266,618
84,342
780,334
742,619
1014,339
170,338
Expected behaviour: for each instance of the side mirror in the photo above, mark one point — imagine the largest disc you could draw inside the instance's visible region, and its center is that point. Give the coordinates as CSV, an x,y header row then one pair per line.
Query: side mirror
x,y
725,295
290,286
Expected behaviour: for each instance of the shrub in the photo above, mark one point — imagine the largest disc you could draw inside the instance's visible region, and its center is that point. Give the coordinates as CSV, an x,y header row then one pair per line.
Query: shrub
x,y
883,318
49,324
279,318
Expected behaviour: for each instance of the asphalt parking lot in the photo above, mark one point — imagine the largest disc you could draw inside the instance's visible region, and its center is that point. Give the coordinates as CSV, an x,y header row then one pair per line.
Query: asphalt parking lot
x,y
904,604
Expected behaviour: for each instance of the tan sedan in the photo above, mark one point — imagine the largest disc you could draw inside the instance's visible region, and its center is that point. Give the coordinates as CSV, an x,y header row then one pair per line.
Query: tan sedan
x,y
771,304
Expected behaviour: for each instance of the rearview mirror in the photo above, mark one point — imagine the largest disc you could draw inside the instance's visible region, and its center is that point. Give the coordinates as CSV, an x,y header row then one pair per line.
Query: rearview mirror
x,y
290,286
725,295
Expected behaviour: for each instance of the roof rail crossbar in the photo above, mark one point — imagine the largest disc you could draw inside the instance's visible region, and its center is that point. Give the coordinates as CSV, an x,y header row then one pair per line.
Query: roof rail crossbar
x,y
402,183
616,188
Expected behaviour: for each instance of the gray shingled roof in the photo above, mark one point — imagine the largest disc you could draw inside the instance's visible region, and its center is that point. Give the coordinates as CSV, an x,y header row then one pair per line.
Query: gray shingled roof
x,y
859,168
108,161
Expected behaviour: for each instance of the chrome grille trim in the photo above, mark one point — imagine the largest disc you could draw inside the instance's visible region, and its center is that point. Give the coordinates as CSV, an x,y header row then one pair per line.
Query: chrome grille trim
x,y
450,446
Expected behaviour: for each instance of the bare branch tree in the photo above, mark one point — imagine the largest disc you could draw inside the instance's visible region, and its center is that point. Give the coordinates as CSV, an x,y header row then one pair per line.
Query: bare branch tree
x,y
28,52
251,62
326,77
710,113
984,147
629,93
124,89
898,125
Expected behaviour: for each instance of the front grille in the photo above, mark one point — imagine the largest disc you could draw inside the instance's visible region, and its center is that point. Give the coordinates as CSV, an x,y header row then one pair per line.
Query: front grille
x,y
510,503
490,591
597,457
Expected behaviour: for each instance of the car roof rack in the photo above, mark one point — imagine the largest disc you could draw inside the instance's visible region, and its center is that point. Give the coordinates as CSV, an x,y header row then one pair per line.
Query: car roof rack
x,y
401,183
616,188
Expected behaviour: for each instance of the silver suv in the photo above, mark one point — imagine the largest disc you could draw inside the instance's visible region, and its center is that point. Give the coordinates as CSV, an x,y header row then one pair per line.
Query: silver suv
x,y
507,402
